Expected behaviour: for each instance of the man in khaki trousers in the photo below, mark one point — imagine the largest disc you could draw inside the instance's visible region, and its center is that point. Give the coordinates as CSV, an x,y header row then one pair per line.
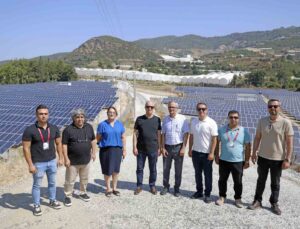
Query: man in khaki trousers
x,y
79,147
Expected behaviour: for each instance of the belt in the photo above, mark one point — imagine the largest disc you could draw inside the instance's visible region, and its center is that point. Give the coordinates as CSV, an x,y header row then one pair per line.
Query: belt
x,y
174,145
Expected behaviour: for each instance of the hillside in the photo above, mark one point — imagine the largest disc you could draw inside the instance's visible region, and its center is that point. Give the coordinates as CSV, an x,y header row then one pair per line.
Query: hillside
x,y
109,50
282,38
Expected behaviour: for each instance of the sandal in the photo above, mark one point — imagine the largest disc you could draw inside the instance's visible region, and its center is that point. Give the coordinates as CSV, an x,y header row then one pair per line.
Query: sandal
x,y
108,194
115,192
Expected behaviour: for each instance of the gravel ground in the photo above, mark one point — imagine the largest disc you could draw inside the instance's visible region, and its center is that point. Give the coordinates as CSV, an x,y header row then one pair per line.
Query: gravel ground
x,y
147,210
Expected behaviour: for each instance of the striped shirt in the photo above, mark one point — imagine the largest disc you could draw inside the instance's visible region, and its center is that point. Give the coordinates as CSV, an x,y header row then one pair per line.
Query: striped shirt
x,y
174,129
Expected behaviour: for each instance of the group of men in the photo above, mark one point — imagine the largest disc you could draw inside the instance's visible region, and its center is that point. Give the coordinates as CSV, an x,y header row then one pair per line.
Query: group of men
x,y
229,146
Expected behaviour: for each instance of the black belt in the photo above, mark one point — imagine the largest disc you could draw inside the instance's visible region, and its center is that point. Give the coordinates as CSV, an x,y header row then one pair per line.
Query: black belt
x,y
174,145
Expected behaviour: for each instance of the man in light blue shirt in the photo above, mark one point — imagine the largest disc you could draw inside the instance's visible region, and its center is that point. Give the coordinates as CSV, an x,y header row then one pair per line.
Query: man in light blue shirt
x,y
235,154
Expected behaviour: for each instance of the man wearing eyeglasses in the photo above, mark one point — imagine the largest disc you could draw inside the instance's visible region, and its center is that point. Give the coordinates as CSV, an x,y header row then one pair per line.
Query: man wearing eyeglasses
x,y
235,154
272,150
79,147
146,144
202,144
175,129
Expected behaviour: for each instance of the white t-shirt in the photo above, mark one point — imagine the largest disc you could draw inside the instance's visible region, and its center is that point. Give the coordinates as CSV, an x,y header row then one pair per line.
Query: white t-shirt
x,y
202,132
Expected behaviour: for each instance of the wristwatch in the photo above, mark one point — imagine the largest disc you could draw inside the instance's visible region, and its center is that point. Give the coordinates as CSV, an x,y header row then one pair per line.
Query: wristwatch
x,y
287,160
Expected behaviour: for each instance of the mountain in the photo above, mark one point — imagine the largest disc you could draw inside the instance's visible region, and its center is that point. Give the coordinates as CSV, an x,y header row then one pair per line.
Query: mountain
x,y
277,39
107,49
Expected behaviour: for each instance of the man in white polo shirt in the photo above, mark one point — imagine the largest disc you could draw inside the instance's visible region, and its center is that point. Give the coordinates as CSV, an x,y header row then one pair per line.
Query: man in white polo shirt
x,y
202,144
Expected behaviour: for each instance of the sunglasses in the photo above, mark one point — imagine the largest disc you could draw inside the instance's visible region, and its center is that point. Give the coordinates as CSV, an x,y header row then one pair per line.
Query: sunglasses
x,y
271,106
150,107
201,109
233,117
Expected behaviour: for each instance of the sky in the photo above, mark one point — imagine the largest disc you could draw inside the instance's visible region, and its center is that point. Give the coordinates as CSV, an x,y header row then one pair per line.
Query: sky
x,y
30,28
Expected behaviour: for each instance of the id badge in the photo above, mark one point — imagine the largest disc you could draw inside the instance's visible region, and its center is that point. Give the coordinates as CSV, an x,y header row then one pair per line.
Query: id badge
x,y
45,146
231,144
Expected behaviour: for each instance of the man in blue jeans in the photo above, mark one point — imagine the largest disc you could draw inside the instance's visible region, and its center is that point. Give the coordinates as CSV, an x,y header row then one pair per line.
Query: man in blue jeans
x,y
202,144
146,144
39,142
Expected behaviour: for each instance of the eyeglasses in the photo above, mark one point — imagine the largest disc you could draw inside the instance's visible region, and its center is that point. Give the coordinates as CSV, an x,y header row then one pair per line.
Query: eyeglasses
x,y
172,107
111,112
233,117
150,107
42,113
271,106
201,109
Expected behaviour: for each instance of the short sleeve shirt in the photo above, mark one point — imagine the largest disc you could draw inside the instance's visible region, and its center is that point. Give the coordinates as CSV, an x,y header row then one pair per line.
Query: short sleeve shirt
x,y
238,137
79,143
147,128
111,135
203,131
273,137
32,134
174,129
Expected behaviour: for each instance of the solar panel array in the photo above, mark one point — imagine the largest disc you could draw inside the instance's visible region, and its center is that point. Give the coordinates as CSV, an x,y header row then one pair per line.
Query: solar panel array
x,y
18,104
248,102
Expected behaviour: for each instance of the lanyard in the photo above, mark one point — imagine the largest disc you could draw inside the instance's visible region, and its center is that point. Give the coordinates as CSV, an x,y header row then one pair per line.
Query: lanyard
x,y
235,137
42,137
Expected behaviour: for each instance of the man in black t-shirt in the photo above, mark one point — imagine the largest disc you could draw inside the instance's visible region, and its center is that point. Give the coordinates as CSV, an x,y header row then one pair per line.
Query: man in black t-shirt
x,y
39,142
146,143
79,147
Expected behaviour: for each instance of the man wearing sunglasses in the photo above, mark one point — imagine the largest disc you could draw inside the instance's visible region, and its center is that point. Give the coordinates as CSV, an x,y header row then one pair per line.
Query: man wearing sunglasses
x,y
274,143
146,144
235,154
175,129
202,144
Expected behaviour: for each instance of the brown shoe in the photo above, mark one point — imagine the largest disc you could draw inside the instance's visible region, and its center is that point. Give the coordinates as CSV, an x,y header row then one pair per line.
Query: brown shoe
x,y
255,205
137,191
275,209
153,190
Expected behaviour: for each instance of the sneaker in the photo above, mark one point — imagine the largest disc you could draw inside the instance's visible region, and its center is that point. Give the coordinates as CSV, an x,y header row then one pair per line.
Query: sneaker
x,y
239,203
164,191
85,197
153,190
176,193
275,209
54,204
220,201
37,211
207,199
197,195
255,205
68,202
138,191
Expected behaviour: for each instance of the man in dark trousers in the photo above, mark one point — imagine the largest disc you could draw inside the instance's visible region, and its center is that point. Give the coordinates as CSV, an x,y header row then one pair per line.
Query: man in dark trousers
x,y
146,144
39,141
272,150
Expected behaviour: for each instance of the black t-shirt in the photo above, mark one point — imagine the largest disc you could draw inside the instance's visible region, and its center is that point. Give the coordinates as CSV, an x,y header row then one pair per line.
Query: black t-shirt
x,y
32,134
147,133
79,142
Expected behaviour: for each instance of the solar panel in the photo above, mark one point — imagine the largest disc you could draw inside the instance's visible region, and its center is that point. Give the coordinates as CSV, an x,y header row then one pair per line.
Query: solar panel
x,y
18,103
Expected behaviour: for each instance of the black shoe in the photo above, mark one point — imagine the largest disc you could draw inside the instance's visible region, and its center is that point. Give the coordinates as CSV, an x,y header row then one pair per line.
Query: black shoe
x,y
153,190
68,202
275,209
54,204
197,195
85,197
255,205
37,211
176,193
164,191
207,199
